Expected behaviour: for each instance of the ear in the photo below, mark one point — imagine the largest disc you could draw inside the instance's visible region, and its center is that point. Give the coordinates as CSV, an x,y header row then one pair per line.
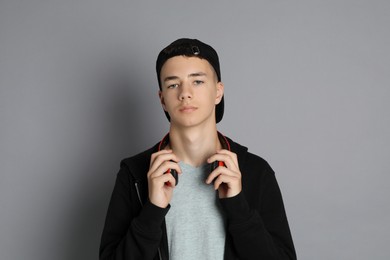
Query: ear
x,y
220,91
162,101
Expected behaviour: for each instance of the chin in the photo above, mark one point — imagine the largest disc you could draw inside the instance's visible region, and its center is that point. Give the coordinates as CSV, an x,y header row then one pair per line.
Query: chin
x,y
186,123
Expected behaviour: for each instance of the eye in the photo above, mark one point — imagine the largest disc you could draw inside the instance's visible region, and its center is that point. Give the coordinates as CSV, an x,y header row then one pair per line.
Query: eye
x,y
198,82
172,86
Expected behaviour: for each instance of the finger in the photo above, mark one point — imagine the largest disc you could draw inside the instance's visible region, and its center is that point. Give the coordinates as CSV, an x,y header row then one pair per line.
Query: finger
x,y
226,156
230,154
226,159
154,156
217,172
226,179
161,158
165,179
164,168
227,153
158,154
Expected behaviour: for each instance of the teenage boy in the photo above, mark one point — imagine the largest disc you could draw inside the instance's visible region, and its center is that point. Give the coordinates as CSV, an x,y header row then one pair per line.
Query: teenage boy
x,y
196,194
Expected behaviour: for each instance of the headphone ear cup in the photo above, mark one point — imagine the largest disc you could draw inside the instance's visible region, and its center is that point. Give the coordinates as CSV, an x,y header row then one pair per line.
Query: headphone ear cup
x,y
161,145
174,174
216,164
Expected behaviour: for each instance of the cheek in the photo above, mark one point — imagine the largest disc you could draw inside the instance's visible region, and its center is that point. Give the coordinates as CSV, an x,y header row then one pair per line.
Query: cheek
x,y
212,94
163,100
166,100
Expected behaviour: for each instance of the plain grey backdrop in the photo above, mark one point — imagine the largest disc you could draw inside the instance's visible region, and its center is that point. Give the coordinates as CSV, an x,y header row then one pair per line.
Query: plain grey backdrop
x,y
307,87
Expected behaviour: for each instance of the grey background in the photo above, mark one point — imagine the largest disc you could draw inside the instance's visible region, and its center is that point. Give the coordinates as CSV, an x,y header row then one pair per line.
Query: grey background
x,y
307,88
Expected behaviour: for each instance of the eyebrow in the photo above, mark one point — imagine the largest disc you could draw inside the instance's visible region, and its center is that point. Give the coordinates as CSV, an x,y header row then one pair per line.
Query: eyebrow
x,y
170,78
196,74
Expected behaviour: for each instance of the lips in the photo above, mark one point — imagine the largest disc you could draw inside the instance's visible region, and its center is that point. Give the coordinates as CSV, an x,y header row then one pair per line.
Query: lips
x,y
187,109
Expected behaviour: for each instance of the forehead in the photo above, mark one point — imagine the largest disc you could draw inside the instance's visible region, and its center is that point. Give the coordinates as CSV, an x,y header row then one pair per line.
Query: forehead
x,y
183,66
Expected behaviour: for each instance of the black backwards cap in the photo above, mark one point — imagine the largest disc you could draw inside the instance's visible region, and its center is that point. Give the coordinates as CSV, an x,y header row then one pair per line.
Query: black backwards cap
x,y
191,48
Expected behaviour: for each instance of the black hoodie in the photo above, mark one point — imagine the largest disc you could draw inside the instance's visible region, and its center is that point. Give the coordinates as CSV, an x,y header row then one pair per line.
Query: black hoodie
x,y
257,226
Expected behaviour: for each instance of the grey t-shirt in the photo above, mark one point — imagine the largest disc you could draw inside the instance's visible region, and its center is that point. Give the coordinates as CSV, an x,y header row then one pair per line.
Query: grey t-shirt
x,y
195,222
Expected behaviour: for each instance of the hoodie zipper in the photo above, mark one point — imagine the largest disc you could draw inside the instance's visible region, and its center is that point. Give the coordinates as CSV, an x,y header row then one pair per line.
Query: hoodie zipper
x,y
138,193
140,201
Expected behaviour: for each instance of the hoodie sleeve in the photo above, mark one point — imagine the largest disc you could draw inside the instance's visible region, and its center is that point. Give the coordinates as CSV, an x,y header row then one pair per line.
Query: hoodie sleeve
x,y
125,234
257,222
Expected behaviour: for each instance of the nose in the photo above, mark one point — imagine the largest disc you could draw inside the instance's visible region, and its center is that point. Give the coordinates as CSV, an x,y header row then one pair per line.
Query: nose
x,y
185,92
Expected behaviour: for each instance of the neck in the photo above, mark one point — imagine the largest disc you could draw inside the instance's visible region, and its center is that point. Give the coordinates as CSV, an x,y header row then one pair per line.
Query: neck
x,y
194,146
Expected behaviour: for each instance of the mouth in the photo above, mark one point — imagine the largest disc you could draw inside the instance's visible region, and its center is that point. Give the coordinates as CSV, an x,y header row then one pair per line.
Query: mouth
x,y
187,109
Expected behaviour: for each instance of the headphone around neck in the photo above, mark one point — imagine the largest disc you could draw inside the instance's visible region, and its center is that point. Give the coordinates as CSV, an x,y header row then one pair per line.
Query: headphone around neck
x,y
223,140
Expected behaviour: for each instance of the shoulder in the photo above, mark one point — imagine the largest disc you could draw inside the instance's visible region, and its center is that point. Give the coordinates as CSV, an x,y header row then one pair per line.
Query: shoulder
x,y
259,182
249,161
138,164
140,157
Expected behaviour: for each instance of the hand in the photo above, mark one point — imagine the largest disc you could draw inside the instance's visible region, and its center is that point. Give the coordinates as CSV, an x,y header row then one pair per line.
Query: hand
x,y
161,185
227,180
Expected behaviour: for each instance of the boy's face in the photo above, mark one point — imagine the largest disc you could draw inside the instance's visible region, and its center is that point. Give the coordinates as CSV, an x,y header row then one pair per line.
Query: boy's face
x,y
189,90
